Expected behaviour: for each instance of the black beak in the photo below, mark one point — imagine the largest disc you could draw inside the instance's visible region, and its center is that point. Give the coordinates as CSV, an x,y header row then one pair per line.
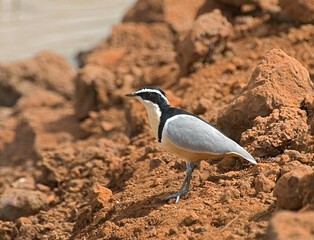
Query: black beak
x,y
132,94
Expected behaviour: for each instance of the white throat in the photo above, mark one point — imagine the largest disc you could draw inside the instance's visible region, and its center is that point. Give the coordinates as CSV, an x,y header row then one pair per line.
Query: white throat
x,y
154,114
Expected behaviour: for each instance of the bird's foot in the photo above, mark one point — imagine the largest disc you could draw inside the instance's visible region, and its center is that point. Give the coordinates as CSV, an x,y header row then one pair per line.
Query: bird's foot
x,y
176,195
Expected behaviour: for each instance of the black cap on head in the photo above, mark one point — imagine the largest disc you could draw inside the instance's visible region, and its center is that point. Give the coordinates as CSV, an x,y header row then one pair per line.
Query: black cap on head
x,y
153,88
153,94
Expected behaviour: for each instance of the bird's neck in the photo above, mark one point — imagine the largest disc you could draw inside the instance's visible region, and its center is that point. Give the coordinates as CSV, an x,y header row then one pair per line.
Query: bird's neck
x,y
154,112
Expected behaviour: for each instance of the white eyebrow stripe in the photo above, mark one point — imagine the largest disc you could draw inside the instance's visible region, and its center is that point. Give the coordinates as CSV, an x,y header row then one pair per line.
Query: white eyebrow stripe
x,y
153,90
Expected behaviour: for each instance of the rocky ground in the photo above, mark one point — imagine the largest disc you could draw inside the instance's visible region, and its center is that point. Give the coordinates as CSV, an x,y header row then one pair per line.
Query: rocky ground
x,y
79,161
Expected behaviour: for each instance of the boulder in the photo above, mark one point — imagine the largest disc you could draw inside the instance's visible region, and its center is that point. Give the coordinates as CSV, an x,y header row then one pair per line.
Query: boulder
x,y
15,203
286,225
179,15
306,189
108,58
100,197
299,10
278,81
94,86
38,129
287,188
46,70
263,184
8,124
39,98
309,107
22,146
190,219
270,135
206,39
133,52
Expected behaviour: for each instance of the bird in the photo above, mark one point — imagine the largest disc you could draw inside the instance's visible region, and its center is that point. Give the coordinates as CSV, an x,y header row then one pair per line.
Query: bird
x,y
185,134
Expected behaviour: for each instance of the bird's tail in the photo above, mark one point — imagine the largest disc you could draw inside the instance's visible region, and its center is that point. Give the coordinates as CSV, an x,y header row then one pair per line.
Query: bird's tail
x,y
243,153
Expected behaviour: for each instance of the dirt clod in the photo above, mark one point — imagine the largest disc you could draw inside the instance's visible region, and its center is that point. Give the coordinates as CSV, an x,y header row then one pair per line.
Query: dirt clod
x,y
278,81
16,203
263,184
299,10
204,41
101,196
287,188
191,219
286,225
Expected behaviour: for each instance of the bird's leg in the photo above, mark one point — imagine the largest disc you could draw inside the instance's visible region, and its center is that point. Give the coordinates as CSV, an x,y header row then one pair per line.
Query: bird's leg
x,y
185,183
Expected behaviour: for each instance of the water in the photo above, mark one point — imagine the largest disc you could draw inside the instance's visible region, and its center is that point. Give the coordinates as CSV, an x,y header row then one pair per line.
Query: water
x,y
63,26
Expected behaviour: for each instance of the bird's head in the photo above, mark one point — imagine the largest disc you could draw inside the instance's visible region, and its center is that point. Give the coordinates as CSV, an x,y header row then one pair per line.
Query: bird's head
x,y
150,96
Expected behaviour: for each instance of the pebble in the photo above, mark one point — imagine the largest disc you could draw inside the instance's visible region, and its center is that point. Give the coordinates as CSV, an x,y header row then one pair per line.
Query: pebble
x,y
287,188
15,203
191,219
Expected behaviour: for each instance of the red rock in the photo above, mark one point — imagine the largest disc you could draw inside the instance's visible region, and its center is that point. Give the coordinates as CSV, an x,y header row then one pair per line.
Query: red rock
x,y
100,196
230,194
49,70
106,58
287,188
137,37
93,87
39,98
22,147
154,163
205,39
22,221
290,166
10,89
278,81
173,231
227,164
263,184
46,70
157,182
270,135
287,225
191,219
179,15
15,203
42,187
299,10
309,105
292,155
40,128
142,49
270,170
8,124
151,36
306,189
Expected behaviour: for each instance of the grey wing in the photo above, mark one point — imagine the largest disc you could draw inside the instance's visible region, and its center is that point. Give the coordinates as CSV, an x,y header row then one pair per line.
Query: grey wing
x,y
191,133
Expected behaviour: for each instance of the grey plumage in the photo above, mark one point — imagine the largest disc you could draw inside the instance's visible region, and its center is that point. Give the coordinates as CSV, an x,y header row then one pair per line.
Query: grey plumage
x,y
192,134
